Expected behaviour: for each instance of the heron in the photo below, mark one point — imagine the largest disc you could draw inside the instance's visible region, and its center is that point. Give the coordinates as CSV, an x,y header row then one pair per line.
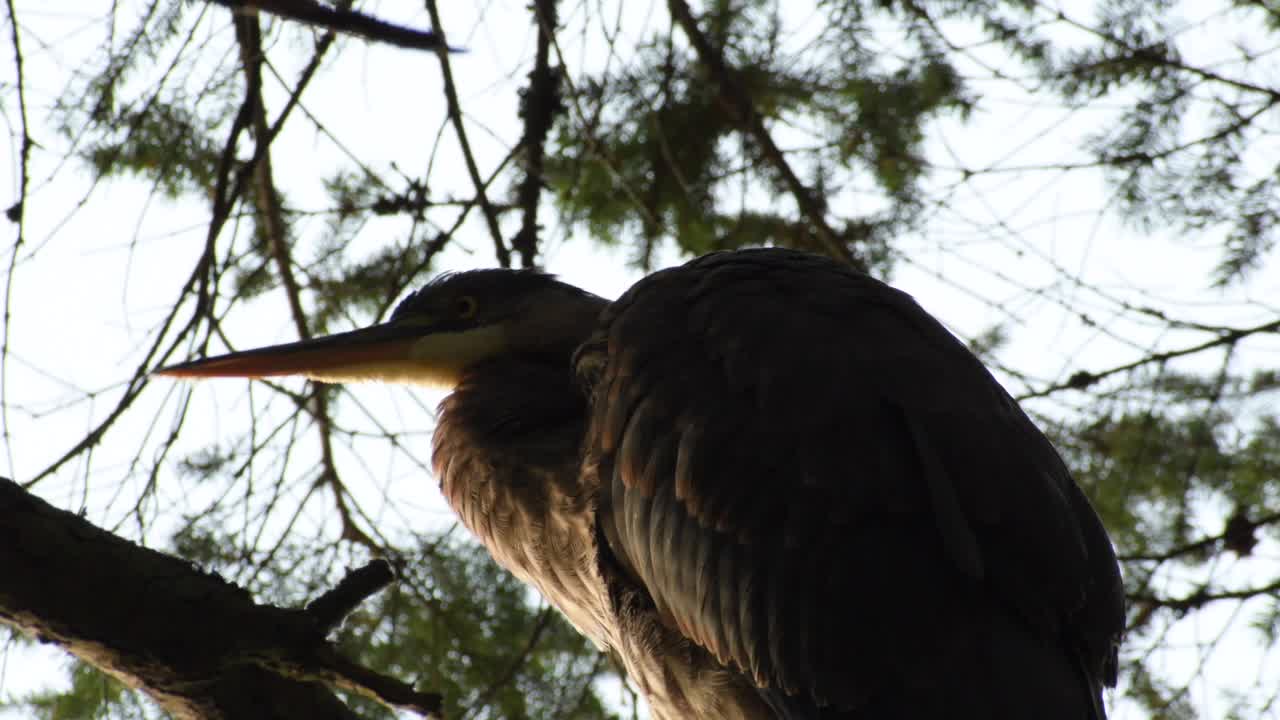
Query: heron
x,y
772,486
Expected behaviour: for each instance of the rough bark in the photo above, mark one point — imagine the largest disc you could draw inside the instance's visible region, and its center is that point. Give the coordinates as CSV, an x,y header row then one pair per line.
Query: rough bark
x,y
197,644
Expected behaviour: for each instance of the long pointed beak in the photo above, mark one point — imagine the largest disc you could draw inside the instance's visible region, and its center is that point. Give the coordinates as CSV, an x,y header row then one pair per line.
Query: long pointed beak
x,y
369,353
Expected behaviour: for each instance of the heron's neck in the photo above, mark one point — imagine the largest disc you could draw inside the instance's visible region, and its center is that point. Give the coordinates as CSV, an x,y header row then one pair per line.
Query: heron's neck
x,y
507,456
506,405
512,425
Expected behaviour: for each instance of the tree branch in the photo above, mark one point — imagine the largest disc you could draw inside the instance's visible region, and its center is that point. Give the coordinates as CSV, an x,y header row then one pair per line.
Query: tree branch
x,y
343,20
197,644
273,227
1203,596
16,213
539,104
455,118
740,107
1237,535
1083,379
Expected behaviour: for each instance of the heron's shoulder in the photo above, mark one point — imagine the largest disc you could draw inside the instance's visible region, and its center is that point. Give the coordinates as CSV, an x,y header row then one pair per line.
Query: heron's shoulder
x,y
766,295
790,281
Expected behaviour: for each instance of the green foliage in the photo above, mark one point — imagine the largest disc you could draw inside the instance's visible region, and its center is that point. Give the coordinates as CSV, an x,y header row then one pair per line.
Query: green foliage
x,y
93,694
129,118
1150,472
1176,152
880,119
1158,480
664,157
452,623
1160,699
364,287
1144,471
163,143
989,341
462,626
204,464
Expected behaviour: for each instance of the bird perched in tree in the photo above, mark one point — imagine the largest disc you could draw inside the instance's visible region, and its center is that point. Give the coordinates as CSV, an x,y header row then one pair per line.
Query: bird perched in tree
x,y
773,486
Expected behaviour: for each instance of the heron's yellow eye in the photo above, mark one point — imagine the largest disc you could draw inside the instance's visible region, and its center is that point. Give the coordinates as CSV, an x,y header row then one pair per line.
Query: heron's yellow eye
x,y
466,307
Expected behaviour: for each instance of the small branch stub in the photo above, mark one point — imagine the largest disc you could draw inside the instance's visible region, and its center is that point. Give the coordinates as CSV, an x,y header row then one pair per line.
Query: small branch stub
x,y
360,584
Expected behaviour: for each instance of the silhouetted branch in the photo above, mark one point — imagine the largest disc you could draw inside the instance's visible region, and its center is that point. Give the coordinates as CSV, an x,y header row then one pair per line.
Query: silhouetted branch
x,y
1151,56
343,20
331,608
272,223
16,213
353,677
455,118
1237,535
1203,596
197,644
1083,379
539,104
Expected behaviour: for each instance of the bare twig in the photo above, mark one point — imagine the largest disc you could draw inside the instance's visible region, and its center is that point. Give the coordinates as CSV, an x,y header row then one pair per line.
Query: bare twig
x,y
544,620
459,127
1231,535
332,607
1083,379
16,214
271,215
1204,595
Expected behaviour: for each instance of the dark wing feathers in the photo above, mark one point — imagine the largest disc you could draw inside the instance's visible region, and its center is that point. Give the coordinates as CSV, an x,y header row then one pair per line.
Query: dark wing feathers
x,y
818,484
953,527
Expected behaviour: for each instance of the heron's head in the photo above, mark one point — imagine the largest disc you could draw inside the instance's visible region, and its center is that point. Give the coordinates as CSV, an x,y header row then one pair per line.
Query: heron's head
x,y
457,321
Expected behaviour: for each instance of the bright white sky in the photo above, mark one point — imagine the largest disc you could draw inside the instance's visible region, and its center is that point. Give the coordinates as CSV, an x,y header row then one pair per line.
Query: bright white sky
x,y
93,278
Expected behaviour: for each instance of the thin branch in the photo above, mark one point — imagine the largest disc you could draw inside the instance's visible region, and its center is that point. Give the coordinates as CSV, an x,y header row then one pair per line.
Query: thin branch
x,y
1149,54
540,626
1203,596
743,110
1235,533
140,374
270,214
271,217
1114,161
345,674
225,192
1083,379
16,214
341,19
455,117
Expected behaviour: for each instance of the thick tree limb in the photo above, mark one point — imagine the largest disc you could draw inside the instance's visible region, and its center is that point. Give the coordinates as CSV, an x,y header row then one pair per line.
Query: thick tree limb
x,y
197,644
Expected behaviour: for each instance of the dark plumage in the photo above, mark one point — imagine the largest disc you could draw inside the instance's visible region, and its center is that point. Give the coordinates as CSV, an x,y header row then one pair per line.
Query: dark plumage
x,y
773,486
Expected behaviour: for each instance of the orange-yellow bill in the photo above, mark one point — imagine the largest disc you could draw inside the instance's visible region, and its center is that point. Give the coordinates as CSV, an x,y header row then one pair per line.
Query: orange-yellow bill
x,y
350,355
